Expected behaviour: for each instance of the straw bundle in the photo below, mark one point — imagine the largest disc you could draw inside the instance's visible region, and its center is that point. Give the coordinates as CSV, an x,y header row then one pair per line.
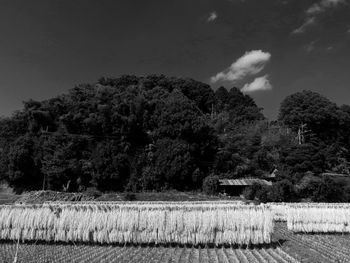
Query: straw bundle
x,y
108,223
319,218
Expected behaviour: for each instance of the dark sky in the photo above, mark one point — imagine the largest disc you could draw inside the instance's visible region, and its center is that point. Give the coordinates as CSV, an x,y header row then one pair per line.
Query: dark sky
x,y
48,46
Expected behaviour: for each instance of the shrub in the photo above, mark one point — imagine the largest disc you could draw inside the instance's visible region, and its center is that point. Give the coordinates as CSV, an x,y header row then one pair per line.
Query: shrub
x,y
128,196
308,185
282,191
93,192
263,193
250,192
329,190
211,185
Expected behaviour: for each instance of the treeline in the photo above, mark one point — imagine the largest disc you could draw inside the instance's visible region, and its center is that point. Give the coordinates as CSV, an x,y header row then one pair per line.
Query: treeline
x,y
154,133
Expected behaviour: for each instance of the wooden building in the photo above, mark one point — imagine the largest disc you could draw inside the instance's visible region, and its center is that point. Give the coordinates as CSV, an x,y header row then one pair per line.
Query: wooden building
x,y
235,187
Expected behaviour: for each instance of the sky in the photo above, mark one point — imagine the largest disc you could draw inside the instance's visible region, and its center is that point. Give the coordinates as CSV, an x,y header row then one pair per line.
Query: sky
x,y
269,49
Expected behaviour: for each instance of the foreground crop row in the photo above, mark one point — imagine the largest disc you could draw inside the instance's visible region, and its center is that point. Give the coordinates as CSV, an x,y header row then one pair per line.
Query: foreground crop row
x,y
30,253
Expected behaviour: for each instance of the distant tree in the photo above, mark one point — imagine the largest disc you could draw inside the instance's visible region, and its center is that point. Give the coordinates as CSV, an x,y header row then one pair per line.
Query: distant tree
x,y
156,132
110,167
310,108
174,168
15,126
23,166
344,126
64,159
303,158
221,99
240,107
176,117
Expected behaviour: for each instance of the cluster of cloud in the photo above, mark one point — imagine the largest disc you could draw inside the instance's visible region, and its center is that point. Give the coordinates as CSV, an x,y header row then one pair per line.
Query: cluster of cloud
x,y
260,83
249,64
313,11
309,21
310,46
212,16
321,7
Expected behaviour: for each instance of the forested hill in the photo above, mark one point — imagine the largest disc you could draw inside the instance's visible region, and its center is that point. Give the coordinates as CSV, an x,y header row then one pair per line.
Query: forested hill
x,y
153,133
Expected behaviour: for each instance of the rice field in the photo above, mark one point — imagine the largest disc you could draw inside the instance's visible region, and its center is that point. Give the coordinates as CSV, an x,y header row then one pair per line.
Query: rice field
x,y
194,231
314,248
40,253
288,247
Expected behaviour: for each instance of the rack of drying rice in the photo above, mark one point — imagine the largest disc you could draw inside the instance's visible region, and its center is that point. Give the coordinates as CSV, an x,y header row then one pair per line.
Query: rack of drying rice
x,y
280,211
319,217
143,203
139,223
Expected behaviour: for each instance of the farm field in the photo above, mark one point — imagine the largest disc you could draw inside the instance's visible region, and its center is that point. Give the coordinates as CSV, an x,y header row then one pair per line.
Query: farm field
x,y
285,244
70,253
313,247
287,247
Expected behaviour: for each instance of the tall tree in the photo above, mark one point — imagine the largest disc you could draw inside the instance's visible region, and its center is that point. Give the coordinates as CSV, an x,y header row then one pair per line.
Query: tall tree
x,y
318,113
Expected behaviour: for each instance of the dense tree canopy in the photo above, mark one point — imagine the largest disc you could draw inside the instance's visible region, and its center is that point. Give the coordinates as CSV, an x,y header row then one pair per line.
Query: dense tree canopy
x,y
318,113
149,132
153,133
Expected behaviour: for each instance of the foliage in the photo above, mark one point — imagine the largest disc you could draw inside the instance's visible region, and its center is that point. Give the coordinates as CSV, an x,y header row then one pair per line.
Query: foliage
x,y
310,108
329,190
282,191
158,133
129,196
23,167
250,192
303,158
211,185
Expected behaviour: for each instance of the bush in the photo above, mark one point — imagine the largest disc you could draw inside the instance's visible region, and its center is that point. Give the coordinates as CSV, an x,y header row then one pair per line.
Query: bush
x,y
329,190
282,191
93,192
308,185
263,193
250,192
211,185
129,196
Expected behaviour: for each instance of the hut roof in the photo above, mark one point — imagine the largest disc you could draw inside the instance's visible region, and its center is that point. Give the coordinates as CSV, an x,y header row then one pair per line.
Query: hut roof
x,y
335,174
243,182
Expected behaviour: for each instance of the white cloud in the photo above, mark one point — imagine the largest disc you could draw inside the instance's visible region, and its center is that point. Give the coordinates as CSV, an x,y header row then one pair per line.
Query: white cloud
x,y
260,83
308,22
311,46
321,7
313,11
212,16
250,63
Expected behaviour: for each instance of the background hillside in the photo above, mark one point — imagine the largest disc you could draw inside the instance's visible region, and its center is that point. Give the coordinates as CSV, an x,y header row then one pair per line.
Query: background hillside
x,y
155,133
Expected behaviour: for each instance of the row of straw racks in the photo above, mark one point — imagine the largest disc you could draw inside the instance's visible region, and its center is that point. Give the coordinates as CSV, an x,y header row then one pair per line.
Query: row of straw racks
x,y
169,222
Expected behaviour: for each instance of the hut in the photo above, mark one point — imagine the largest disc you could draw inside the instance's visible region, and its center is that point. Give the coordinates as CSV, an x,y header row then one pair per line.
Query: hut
x,y
235,187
